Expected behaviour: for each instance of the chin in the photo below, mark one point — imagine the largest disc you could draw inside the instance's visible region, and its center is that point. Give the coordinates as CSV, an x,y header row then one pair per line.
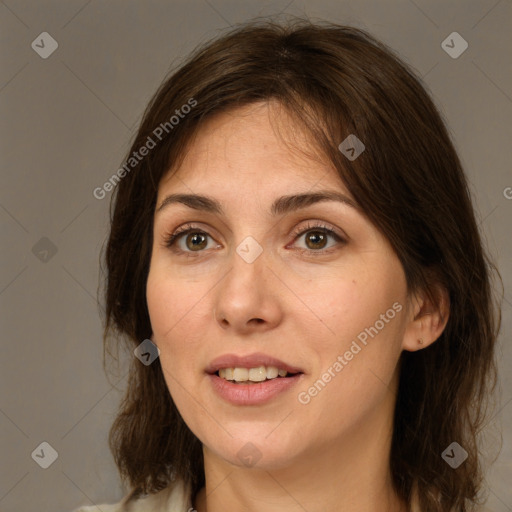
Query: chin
x,y
255,450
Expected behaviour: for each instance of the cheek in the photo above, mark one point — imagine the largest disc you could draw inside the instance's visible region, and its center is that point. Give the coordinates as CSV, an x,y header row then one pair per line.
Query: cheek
x,y
345,309
170,314
365,318
170,300
181,317
366,300
177,322
354,377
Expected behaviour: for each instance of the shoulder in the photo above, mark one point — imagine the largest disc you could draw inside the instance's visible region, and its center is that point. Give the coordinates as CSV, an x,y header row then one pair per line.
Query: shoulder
x,y
102,507
176,497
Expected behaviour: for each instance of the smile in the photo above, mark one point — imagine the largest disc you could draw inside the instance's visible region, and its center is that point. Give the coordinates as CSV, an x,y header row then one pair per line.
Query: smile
x,y
248,375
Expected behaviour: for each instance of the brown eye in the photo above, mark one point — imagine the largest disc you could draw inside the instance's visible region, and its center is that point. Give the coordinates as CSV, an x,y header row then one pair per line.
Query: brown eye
x,y
316,239
196,241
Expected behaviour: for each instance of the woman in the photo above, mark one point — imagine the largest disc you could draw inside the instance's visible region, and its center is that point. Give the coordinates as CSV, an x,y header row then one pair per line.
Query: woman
x,y
295,261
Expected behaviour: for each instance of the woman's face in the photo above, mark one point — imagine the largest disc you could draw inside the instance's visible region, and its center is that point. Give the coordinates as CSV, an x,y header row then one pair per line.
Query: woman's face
x,y
246,290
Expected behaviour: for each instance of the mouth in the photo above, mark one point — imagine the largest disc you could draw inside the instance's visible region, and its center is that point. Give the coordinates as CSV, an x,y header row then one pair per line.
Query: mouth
x,y
240,375
252,380
251,369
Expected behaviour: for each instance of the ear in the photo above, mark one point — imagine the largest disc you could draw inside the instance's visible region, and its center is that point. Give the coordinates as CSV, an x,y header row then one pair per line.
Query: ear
x,y
427,319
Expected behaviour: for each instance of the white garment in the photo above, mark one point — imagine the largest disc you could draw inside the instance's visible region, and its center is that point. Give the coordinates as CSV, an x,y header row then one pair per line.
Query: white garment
x,y
175,499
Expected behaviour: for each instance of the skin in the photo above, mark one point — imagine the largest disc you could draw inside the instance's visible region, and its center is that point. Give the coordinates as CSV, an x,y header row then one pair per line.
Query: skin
x,y
331,454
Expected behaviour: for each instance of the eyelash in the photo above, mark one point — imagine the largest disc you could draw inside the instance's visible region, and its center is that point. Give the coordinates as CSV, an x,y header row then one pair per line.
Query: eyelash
x,y
171,238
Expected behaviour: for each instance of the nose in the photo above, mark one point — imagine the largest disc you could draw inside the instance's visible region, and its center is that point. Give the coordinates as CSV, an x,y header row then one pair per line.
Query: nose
x,y
247,297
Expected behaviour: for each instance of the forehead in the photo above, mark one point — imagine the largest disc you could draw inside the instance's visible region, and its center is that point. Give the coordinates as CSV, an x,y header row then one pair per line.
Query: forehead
x,y
252,145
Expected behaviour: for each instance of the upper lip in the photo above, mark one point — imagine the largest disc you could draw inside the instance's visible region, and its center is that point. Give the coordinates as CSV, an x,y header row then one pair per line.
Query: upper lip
x,y
248,361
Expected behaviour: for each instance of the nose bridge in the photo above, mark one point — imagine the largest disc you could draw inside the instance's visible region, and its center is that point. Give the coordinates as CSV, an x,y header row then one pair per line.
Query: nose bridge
x,y
244,293
247,264
250,250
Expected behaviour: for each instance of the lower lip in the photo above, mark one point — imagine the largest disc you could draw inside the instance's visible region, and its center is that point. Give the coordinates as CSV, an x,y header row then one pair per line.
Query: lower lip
x,y
252,394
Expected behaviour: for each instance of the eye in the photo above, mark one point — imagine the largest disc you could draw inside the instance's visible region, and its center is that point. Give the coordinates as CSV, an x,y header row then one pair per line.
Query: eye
x,y
195,242
195,239
317,235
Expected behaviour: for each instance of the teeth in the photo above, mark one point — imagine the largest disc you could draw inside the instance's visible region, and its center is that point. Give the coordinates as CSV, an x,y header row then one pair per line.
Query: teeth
x,y
272,372
240,374
258,374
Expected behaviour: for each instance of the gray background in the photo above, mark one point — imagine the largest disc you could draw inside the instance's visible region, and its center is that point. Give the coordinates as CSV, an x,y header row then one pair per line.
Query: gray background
x,y
66,123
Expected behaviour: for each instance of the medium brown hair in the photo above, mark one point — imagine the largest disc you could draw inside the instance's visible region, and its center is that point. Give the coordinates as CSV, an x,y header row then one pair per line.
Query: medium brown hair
x,y
334,80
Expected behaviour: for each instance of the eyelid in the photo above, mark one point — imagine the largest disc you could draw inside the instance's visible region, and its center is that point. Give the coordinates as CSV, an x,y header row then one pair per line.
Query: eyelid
x,y
319,224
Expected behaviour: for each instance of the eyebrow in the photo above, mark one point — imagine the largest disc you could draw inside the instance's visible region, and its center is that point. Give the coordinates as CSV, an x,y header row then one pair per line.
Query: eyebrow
x,y
281,206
